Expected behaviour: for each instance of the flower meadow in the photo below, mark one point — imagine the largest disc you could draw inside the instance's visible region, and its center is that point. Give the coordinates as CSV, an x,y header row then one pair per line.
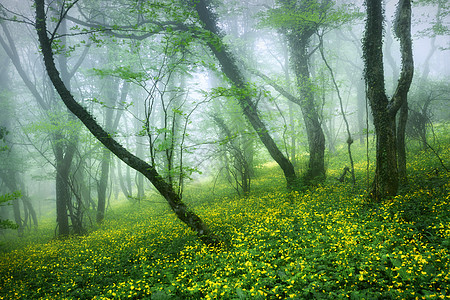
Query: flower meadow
x,y
326,242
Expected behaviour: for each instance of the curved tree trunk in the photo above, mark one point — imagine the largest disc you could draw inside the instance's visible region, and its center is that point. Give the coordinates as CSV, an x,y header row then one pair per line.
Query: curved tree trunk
x,y
232,71
176,204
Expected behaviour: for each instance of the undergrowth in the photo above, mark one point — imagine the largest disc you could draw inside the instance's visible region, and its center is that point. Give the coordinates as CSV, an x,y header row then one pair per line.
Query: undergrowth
x,y
327,242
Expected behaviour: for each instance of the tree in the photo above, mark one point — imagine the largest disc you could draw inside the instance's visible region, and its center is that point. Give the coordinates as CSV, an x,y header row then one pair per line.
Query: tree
x,y
298,22
242,89
63,146
237,164
384,110
12,162
166,190
299,27
4,198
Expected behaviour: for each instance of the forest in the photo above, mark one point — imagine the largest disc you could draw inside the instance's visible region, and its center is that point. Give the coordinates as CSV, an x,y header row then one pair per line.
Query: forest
x,y
207,149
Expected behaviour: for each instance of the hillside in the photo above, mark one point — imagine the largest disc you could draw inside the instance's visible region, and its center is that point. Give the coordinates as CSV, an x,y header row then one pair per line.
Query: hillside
x,y
326,242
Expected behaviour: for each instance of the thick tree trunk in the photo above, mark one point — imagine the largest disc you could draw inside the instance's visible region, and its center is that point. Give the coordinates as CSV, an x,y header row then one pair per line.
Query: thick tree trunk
x,y
385,183
316,138
232,71
176,204
384,110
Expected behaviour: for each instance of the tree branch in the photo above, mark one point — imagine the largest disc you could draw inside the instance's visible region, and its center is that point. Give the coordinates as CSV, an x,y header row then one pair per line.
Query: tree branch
x,y
166,190
402,29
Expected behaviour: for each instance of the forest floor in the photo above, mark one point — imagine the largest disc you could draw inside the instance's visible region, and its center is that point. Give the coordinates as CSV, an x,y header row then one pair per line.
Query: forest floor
x,y
324,242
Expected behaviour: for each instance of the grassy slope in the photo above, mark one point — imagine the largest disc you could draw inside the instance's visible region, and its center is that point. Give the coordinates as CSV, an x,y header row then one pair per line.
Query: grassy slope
x,y
326,242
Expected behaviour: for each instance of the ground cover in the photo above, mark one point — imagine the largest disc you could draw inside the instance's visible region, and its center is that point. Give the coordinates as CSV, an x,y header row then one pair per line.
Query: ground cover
x,y
326,242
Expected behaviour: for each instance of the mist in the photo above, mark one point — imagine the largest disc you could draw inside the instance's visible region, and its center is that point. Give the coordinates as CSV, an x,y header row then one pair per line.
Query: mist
x,y
123,104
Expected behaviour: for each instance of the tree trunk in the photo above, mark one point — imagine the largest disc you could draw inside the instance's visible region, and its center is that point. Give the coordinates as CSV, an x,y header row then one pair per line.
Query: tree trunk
x,y
139,179
361,111
27,202
384,110
103,184
111,92
236,148
401,143
176,204
316,138
17,216
385,183
62,190
232,71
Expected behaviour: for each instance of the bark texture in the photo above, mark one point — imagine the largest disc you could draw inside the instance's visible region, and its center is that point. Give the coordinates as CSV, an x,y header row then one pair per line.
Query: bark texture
x,y
384,110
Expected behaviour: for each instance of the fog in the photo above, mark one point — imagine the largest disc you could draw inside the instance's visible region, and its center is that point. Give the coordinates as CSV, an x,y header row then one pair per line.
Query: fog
x,y
148,76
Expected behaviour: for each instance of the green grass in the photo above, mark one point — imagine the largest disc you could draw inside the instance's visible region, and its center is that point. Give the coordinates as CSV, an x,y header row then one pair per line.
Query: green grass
x,y
327,242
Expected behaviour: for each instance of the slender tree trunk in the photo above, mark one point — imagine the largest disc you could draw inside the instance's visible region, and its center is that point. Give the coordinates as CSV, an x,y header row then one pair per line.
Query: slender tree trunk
x,y
27,203
139,177
103,184
361,112
9,177
347,126
12,184
287,77
179,208
62,190
401,143
127,192
17,216
237,151
111,91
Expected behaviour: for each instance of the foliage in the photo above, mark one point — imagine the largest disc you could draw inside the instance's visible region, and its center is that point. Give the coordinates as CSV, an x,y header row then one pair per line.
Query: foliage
x,y
436,24
6,224
326,242
310,13
3,133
